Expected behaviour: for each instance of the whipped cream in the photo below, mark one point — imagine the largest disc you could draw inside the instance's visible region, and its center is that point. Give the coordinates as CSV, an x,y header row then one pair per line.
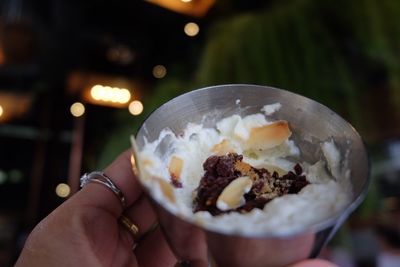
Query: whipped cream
x,y
328,193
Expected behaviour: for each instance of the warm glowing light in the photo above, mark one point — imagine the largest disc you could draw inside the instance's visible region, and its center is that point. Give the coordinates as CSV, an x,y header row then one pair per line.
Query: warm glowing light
x,y
77,109
110,94
191,29
159,71
136,107
186,1
63,190
1,110
124,96
97,92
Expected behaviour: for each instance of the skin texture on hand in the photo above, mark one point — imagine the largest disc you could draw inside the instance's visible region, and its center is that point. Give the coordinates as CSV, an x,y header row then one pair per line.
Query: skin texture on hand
x,y
314,263
84,230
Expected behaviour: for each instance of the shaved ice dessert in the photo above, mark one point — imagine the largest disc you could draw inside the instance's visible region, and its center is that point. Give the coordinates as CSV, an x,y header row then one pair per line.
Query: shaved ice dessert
x,y
245,175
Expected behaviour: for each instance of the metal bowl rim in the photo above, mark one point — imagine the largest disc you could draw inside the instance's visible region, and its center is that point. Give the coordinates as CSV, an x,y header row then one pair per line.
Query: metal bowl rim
x,y
316,227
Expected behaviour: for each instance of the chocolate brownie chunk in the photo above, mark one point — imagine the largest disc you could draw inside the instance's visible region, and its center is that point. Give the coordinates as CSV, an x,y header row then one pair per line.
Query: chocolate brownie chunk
x,y
221,170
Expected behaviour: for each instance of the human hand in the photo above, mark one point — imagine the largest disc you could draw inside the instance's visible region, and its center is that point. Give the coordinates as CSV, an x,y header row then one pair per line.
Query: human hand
x,y
314,263
84,230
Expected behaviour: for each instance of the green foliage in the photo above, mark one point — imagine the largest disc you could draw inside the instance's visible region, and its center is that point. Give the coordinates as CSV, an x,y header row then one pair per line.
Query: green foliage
x,y
330,51
325,50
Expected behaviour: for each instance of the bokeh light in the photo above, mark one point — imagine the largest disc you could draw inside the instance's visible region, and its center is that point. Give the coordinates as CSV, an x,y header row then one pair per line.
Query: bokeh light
x,y
136,107
123,96
77,109
63,190
159,71
1,110
97,92
110,94
191,29
186,1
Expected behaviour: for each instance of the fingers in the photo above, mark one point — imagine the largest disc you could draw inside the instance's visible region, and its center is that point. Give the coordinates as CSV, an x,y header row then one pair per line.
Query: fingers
x,y
124,256
153,251
314,263
141,214
99,196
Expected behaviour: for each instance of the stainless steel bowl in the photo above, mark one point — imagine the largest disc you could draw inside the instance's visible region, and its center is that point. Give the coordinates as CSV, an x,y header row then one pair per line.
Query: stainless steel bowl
x,y
310,123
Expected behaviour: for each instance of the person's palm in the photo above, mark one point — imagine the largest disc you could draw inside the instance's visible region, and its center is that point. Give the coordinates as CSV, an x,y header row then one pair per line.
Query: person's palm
x,y
85,231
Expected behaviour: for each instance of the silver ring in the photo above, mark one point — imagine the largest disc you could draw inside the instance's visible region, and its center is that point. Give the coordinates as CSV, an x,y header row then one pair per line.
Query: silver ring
x,y
102,178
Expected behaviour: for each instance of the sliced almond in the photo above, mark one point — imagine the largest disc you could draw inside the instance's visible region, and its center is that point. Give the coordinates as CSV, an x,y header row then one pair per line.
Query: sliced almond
x,y
268,136
222,148
232,195
166,189
175,167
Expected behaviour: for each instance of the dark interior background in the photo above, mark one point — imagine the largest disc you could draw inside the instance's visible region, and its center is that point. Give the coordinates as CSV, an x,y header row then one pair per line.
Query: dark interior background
x,y
344,54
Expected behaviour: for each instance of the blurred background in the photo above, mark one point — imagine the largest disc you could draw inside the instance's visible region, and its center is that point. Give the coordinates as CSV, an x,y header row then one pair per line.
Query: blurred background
x,y
78,77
